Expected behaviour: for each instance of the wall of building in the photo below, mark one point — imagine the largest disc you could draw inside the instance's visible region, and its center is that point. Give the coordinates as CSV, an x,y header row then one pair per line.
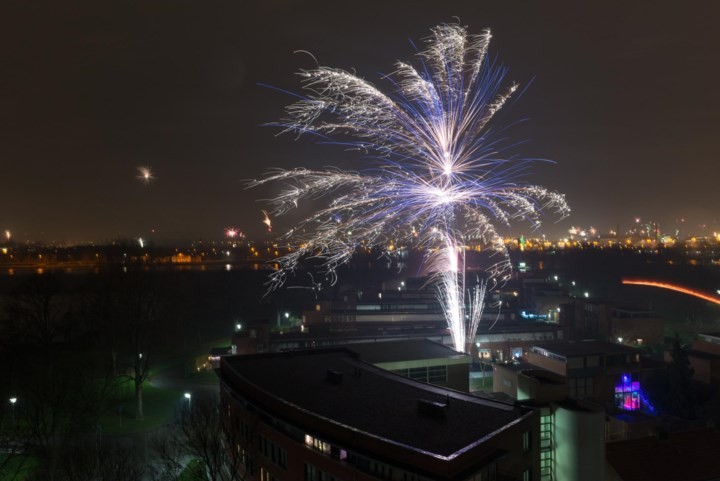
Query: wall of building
x,y
579,438
456,371
282,441
541,386
555,365
505,380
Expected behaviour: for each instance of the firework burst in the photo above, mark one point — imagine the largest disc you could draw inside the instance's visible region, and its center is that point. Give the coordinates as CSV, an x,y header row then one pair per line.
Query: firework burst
x,y
145,175
436,179
232,233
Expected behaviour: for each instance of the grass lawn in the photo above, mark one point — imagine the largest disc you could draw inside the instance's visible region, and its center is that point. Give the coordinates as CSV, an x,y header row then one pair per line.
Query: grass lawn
x,y
17,468
159,406
484,384
193,471
203,376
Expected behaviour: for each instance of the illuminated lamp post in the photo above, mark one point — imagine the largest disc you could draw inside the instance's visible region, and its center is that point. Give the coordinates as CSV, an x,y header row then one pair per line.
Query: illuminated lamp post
x,y
13,400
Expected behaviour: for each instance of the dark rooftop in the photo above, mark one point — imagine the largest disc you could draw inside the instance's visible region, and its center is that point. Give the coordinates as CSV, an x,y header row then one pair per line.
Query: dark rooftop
x,y
709,334
368,399
515,366
703,355
583,348
688,455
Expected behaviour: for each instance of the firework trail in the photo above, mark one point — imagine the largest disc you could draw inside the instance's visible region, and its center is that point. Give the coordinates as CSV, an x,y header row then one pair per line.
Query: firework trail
x,y
266,220
436,179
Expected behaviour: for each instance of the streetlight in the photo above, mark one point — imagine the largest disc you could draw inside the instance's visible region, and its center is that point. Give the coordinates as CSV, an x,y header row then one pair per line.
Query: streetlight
x,y
13,400
188,396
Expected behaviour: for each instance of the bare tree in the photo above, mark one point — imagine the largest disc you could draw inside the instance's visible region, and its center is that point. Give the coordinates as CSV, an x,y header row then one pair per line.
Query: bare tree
x,y
12,444
137,319
38,313
78,463
199,435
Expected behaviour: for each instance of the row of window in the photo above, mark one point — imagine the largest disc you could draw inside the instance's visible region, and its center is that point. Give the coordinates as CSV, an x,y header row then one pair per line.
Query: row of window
x,y
313,473
278,455
432,374
581,387
273,452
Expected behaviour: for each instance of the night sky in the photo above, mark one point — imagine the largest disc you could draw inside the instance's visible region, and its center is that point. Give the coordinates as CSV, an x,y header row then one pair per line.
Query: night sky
x,y
623,96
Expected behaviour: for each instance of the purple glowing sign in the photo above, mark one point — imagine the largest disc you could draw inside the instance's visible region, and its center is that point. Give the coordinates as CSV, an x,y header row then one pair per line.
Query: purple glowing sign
x,y
627,393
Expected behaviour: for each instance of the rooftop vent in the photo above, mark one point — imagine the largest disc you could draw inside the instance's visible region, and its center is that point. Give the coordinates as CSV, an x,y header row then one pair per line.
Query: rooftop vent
x,y
333,377
431,409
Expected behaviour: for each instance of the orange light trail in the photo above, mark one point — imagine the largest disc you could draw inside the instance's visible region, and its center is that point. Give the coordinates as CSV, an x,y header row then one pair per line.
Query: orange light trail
x,y
672,287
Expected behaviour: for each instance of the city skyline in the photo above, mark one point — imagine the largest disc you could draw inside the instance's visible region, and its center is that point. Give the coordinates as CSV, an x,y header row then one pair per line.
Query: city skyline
x,y
618,96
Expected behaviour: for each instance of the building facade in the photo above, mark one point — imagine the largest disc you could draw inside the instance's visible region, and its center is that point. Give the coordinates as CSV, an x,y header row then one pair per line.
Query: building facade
x,y
325,415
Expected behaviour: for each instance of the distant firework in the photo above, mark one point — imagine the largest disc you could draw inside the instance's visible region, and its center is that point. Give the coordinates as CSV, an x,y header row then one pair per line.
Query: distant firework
x,y
232,233
673,287
267,221
436,177
145,175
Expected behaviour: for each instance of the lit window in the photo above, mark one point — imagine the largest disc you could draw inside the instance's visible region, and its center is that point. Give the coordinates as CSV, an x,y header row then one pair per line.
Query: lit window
x,y
627,393
526,442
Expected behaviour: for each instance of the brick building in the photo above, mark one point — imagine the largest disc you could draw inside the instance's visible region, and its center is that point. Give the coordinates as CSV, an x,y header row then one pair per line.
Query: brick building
x,y
325,415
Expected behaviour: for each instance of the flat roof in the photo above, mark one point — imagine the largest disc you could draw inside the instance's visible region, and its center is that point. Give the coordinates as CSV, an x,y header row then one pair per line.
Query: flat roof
x,y
715,335
583,348
688,455
370,400
702,354
404,350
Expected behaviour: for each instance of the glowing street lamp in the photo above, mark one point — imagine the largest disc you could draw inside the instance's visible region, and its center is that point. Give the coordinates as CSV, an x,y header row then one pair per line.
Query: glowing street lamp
x,y
13,400
188,396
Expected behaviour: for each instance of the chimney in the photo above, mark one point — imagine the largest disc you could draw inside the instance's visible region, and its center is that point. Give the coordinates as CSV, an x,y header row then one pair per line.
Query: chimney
x,y
333,377
431,409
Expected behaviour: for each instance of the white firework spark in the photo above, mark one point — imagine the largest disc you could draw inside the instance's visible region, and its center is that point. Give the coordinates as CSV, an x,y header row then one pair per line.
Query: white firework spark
x,y
437,179
267,221
145,174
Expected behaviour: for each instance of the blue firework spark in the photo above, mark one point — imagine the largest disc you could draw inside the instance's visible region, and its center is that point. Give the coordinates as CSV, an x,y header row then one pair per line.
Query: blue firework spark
x,y
435,177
